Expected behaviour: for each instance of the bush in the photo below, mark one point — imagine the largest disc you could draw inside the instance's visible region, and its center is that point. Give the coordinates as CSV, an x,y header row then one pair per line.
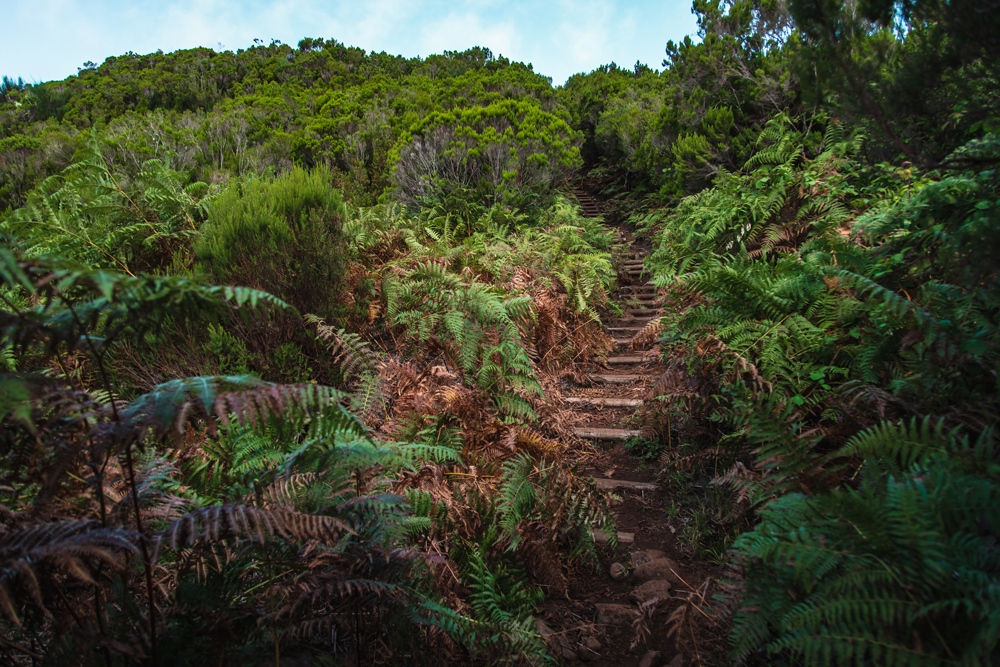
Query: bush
x,y
283,236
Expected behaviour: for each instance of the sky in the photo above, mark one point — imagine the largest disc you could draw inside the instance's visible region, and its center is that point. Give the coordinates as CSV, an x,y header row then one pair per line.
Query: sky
x,y
50,39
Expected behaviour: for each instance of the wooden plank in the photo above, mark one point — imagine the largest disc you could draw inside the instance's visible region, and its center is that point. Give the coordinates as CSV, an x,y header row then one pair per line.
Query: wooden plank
x,y
609,484
615,379
604,433
606,402
632,360
623,538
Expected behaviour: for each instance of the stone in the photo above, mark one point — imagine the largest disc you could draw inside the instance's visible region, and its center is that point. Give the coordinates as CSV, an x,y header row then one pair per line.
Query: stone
x,y
678,661
658,568
651,659
554,640
618,571
618,615
568,654
658,589
640,557
543,628
592,643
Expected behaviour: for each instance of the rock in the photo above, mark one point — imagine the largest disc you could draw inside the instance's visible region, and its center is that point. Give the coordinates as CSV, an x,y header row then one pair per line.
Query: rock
x,y
569,654
651,659
653,589
658,568
543,628
640,557
618,571
619,615
555,641
678,661
589,649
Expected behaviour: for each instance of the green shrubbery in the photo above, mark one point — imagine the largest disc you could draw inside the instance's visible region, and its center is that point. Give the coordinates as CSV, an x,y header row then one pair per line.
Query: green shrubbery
x,y
283,236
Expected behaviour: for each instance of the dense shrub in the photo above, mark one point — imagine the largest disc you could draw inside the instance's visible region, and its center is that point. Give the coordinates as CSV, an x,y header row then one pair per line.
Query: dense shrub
x,y
283,236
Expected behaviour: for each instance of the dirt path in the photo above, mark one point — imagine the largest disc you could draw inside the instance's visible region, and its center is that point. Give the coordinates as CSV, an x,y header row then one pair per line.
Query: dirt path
x,y
619,615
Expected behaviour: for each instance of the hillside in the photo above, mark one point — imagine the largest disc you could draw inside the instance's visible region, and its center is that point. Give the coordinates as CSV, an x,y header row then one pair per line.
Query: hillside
x,y
319,356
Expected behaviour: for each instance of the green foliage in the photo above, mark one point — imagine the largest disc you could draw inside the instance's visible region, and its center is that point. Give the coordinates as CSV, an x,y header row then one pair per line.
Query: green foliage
x,y
857,574
100,216
293,224
473,327
510,151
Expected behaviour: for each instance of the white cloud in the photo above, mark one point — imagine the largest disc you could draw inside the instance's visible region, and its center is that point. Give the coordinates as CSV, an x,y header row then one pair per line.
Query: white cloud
x,y
457,32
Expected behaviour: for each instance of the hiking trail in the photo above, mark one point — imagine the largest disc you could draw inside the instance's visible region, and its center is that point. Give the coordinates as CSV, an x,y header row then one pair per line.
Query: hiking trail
x,y
619,616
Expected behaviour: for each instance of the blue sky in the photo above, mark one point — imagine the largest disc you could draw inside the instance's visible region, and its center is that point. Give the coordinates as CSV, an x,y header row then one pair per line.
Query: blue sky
x,y
50,39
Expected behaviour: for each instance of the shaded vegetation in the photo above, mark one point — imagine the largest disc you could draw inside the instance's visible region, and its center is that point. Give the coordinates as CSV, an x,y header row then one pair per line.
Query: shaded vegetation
x,y
284,331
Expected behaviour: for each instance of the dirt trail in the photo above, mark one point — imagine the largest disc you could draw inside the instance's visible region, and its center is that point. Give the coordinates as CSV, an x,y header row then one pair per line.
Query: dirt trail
x,y
602,620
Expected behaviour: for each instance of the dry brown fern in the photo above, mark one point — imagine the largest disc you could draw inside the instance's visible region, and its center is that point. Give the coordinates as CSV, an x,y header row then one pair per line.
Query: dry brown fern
x,y
220,522
649,333
685,624
31,556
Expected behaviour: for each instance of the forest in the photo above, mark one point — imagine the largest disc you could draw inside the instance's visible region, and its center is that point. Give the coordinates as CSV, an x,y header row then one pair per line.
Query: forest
x,y
287,335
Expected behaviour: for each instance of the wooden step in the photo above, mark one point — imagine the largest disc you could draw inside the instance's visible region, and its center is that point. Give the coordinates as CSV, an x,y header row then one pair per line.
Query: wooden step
x,y
619,322
643,312
615,378
604,402
639,289
623,329
638,319
623,538
605,434
622,341
609,484
632,360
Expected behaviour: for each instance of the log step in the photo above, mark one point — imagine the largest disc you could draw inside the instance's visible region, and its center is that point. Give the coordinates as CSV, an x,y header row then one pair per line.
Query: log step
x,y
624,329
615,379
639,289
609,484
623,538
606,402
632,360
605,434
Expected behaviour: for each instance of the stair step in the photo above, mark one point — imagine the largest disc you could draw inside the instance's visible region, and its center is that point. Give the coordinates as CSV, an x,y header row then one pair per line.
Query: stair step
x,y
639,289
638,319
643,312
614,378
605,402
623,538
623,329
605,434
609,484
620,322
632,360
